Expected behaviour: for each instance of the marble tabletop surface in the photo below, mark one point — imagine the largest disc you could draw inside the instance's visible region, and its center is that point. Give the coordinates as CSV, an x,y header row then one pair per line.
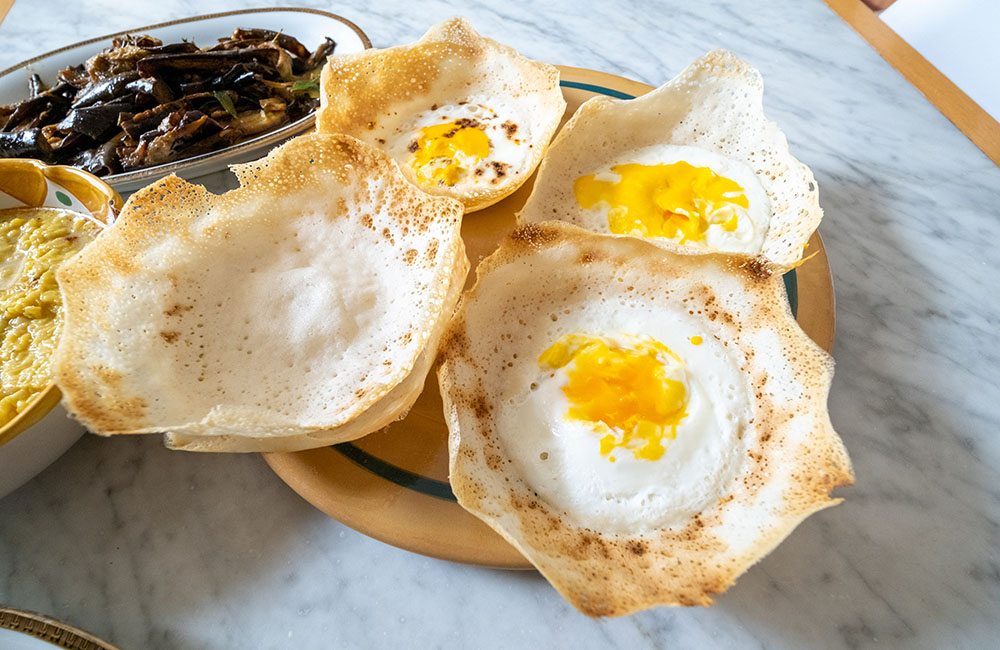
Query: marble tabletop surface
x,y
156,549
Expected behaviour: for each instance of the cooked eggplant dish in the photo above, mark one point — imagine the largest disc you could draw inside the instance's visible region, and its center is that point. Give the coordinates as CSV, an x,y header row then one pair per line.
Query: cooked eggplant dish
x,y
141,103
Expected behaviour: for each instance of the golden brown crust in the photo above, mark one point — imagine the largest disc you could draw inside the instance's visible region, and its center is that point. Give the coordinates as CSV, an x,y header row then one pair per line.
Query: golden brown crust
x,y
449,64
145,325
793,460
715,104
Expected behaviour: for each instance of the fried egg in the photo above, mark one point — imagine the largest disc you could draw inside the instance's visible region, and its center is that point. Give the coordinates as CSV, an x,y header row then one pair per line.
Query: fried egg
x,y
462,115
621,430
683,194
643,425
465,146
693,164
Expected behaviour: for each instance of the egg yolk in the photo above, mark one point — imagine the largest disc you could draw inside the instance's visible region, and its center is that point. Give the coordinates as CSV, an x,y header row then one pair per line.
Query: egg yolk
x,y
440,151
624,390
676,200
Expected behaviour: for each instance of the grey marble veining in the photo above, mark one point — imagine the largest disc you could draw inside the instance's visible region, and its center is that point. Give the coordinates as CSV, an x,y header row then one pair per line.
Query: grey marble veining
x,y
156,549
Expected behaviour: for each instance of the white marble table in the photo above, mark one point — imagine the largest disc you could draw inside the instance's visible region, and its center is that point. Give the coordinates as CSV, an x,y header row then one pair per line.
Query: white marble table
x,y
157,549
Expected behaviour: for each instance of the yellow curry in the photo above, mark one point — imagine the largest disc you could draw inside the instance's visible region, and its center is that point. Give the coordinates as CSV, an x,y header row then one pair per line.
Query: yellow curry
x,y
33,243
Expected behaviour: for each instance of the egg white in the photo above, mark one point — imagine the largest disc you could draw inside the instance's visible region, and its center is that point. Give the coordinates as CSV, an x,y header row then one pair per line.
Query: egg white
x,y
560,457
513,152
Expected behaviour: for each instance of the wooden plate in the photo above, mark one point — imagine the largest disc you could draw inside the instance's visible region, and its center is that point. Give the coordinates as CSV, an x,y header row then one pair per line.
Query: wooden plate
x,y
393,484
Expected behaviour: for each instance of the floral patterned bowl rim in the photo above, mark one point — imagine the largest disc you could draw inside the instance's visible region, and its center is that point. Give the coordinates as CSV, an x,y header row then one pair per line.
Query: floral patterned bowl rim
x,y
30,183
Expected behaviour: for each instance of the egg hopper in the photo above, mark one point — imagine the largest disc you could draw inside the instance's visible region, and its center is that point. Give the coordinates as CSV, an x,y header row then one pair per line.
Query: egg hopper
x,y
393,484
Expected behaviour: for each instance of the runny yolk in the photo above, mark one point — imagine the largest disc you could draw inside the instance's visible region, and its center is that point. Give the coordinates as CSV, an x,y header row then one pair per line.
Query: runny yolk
x,y
676,200
625,391
443,148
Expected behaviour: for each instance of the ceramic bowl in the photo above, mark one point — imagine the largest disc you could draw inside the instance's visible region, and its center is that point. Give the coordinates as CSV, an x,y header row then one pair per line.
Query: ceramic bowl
x,y
43,431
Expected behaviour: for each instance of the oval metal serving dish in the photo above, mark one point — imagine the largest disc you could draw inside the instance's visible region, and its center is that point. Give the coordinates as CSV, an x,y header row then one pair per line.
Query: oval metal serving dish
x,y
309,26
